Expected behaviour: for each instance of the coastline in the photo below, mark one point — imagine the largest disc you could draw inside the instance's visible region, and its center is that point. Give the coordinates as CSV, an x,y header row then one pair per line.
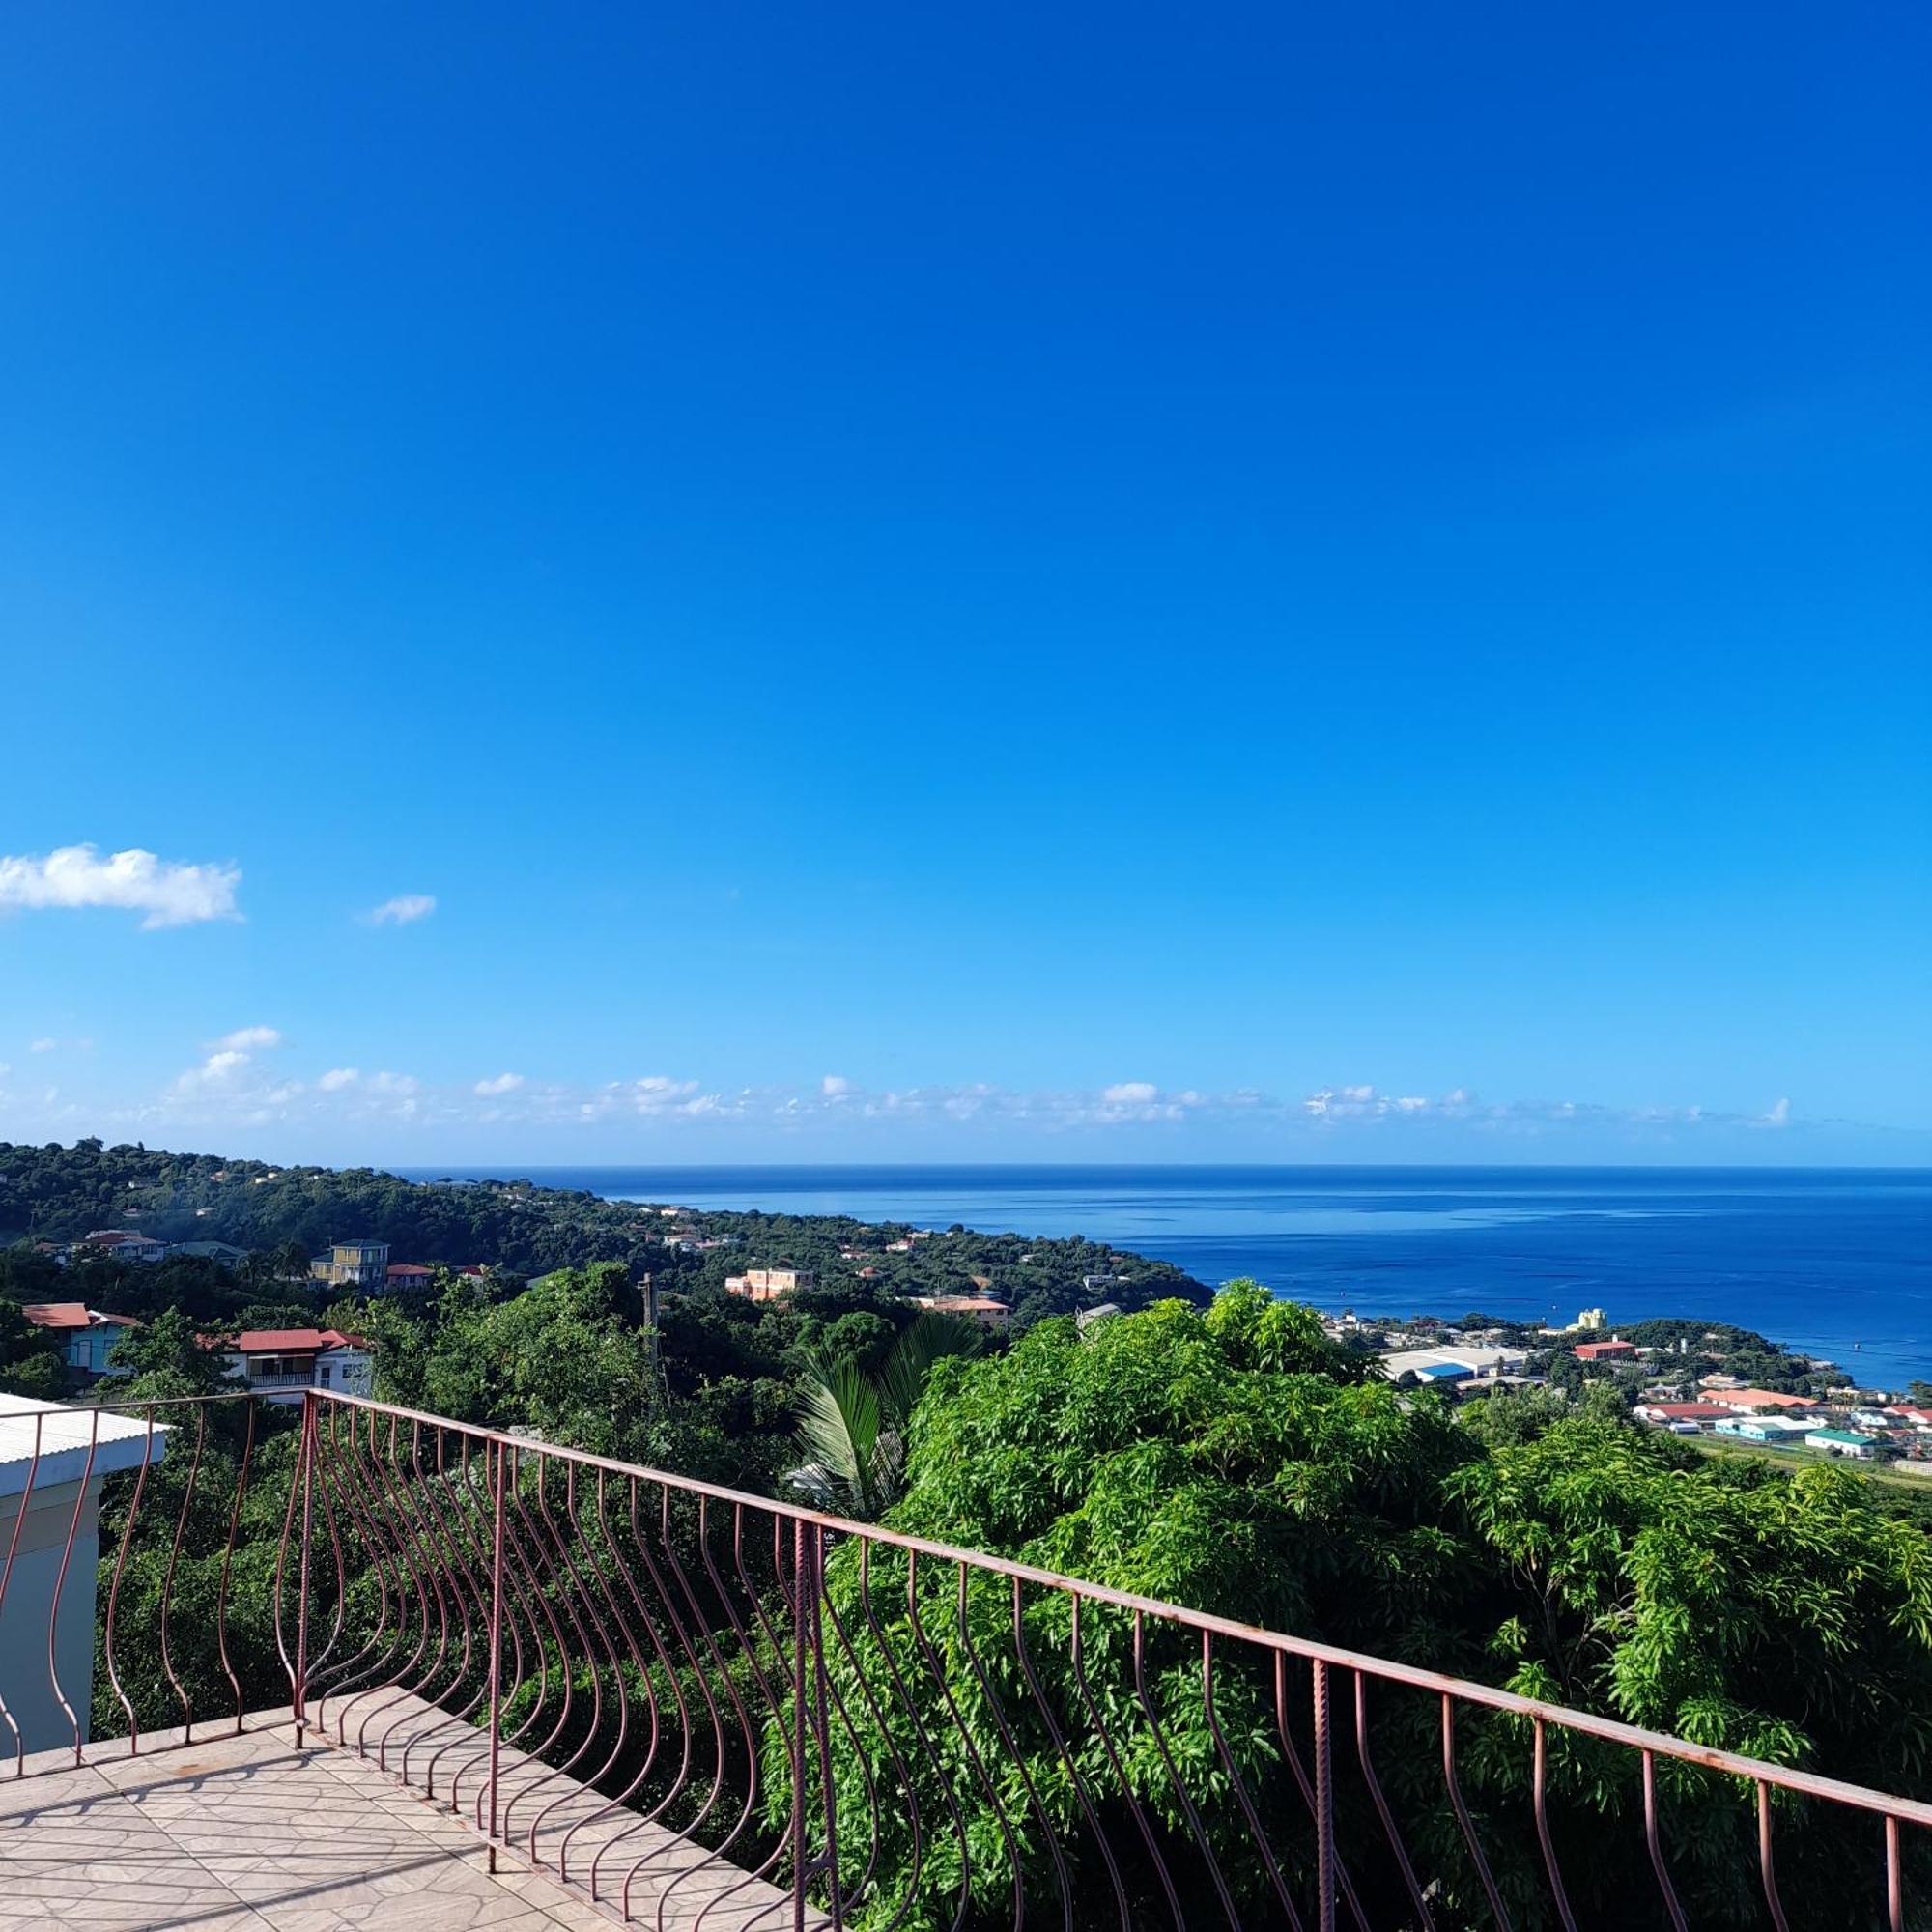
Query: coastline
x,y
1830,1262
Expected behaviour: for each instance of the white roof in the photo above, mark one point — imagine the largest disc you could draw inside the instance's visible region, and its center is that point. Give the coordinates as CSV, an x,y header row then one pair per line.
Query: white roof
x,y
61,1436
1474,1360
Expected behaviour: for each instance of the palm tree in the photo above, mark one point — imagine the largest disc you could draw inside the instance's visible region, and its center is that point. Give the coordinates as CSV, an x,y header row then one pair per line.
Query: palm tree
x,y
853,1426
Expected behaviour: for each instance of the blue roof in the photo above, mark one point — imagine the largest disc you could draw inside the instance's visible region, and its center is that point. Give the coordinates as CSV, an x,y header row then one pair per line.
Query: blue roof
x,y
1437,1371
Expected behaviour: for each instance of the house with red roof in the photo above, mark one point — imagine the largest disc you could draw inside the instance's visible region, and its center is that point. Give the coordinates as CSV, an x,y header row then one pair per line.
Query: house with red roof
x,y
1755,1401
85,1335
281,1364
1614,1349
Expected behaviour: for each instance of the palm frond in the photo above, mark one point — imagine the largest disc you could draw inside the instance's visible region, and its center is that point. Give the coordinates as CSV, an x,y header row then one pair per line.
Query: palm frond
x,y
933,1337
838,1434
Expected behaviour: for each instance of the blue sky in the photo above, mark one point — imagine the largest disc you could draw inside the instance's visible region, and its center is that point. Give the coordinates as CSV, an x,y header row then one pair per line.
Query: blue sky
x,y
1033,582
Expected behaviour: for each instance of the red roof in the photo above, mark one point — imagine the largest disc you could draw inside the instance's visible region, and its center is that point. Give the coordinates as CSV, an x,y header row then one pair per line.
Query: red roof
x,y
56,1314
1588,1351
1764,1399
294,1340
409,1267
73,1315
1686,1412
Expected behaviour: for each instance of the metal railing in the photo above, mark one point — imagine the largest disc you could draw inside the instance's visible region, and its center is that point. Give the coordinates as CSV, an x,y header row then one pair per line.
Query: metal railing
x,y
712,1705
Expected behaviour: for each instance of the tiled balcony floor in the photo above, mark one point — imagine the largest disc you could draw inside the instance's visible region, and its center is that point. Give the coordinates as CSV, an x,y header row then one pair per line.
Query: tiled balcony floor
x,y
237,1834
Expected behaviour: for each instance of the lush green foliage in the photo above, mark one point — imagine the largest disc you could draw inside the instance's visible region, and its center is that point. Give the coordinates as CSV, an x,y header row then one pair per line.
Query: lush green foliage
x,y
288,1214
1236,1461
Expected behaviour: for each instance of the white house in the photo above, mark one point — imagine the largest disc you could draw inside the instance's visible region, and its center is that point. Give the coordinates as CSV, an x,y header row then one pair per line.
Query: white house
x,y
52,1461
279,1364
120,1245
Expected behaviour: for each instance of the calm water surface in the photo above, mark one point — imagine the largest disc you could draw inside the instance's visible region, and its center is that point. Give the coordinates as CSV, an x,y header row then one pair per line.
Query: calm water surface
x,y
1833,1262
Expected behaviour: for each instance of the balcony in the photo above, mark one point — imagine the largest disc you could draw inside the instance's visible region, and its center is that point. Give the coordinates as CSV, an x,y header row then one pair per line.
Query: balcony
x,y
357,1666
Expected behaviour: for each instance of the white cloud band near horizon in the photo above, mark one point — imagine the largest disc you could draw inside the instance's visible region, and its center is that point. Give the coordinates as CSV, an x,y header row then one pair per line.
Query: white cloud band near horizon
x,y
79,877
234,1086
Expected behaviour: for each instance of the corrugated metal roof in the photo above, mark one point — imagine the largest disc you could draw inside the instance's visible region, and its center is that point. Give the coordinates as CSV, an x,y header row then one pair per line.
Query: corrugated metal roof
x,y
50,1441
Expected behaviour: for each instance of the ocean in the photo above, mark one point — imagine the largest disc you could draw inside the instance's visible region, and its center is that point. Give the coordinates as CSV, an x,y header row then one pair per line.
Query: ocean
x,y
1835,1263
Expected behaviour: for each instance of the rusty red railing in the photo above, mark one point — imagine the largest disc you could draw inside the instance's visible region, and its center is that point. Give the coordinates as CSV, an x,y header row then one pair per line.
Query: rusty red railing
x,y
723,1711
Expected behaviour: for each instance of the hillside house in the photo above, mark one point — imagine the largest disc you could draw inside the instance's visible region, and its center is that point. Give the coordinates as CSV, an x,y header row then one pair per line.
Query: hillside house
x,y
768,1284
279,1364
85,1335
363,1264
1613,1350
120,1245
983,1309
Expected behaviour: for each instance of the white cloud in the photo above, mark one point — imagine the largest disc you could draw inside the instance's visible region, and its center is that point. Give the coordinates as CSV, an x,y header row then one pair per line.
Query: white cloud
x,y
42,1046
248,1039
404,910
221,1069
1130,1094
1780,1116
503,1083
337,1078
167,892
835,1087
395,1082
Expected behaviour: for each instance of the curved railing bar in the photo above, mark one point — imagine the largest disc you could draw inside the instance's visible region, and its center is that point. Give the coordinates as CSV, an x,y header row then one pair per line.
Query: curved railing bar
x,y
1238,1786
1078,1655
227,1566
168,1579
1203,1843
60,1582
1067,1759
114,1587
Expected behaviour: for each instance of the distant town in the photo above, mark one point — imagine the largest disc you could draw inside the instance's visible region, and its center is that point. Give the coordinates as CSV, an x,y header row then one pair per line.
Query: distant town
x,y
1678,1386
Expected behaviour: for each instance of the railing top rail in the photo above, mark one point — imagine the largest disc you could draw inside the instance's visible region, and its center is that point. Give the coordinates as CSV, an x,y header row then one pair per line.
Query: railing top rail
x,y
1613,1730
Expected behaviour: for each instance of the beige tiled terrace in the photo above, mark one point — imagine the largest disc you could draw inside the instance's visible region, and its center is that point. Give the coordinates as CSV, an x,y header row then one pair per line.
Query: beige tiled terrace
x,y
237,1834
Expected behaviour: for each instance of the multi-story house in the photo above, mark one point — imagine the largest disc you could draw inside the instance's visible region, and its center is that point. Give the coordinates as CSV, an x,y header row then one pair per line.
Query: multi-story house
x,y
361,1264
768,1284
279,1364
120,1245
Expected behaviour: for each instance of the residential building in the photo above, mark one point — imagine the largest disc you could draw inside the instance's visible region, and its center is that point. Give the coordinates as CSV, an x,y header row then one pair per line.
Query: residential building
x,y
980,1308
363,1264
1612,1351
407,1277
1592,1320
52,1462
1665,1415
278,1364
86,1335
225,1252
120,1245
1843,1443
768,1284
1753,1401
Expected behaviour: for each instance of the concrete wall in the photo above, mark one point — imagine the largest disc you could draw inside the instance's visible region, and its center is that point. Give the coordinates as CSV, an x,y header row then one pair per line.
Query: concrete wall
x,y
29,1607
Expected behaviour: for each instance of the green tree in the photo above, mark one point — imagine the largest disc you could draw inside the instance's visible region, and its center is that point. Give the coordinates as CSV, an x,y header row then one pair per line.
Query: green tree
x,y
853,1426
1226,1461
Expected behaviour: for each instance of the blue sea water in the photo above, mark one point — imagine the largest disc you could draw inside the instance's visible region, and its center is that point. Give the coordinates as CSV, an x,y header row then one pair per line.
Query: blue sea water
x,y
1833,1261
